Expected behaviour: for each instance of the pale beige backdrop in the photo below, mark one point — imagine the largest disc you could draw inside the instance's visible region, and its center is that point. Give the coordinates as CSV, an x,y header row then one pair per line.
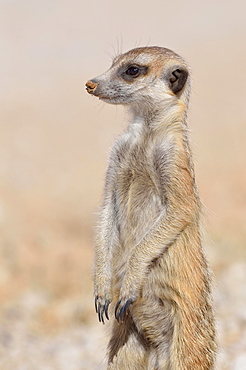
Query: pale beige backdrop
x,y
54,145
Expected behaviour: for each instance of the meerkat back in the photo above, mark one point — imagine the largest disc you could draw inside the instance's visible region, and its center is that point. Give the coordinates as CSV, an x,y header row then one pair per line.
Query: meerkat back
x,y
150,269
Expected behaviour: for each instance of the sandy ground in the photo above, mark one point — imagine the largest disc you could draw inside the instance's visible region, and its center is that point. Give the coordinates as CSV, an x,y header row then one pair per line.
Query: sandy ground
x,y
37,332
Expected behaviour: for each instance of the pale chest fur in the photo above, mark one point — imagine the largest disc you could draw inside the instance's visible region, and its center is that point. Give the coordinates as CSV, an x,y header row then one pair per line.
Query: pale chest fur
x,y
138,198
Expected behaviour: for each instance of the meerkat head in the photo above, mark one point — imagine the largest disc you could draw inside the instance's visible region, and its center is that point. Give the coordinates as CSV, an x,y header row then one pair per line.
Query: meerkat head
x,y
143,76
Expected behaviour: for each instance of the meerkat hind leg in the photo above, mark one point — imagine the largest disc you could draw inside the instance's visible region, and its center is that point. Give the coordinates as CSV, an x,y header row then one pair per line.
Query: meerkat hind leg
x,y
130,356
128,350
153,317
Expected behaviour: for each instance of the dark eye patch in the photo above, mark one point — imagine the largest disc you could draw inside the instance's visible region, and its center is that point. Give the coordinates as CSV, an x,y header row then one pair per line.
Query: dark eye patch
x,y
132,71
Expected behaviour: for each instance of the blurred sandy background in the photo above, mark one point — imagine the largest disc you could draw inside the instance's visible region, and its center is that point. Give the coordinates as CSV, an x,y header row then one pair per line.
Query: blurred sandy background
x,y
54,145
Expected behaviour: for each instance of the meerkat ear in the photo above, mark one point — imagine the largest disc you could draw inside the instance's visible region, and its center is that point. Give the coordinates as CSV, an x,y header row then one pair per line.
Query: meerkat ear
x,y
177,79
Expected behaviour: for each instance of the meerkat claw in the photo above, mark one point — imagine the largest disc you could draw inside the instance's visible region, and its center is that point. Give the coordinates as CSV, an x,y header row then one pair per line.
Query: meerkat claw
x,y
102,312
116,308
99,312
106,309
96,298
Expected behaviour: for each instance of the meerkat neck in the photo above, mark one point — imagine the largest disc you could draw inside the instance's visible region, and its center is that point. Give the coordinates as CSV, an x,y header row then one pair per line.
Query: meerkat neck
x,y
169,117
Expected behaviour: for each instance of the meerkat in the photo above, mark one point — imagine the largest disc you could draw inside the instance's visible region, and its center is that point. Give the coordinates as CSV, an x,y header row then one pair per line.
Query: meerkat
x,y
149,263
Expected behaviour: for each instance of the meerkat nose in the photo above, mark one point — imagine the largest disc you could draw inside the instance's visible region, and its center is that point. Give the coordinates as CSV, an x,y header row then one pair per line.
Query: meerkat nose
x,y
91,86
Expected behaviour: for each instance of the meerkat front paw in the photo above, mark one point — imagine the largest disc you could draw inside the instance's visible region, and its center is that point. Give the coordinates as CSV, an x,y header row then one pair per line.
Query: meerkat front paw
x,y
121,308
101,306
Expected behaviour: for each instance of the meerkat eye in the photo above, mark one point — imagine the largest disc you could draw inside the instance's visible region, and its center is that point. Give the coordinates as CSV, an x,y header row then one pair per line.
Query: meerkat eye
x,y
129,73
133,71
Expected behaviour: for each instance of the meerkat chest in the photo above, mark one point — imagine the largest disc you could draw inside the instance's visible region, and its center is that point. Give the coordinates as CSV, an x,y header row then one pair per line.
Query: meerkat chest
x,y
133,171
137,198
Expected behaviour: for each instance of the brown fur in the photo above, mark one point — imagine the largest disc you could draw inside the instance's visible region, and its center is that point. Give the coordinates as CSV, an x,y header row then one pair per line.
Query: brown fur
x,y
148,254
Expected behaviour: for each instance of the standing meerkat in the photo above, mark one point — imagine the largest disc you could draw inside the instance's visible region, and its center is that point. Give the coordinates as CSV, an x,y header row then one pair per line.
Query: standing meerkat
x,y
149,263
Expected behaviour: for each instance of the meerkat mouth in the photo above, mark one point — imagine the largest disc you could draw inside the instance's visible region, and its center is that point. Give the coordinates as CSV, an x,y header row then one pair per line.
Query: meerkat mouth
x,y
119,99
109,99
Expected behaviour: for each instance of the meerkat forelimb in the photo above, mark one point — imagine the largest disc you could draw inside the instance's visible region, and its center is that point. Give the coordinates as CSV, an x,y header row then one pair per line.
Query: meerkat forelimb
x,y
149,263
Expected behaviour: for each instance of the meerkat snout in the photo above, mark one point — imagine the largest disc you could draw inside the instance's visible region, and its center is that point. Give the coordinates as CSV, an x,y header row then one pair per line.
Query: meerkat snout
x,y
91,86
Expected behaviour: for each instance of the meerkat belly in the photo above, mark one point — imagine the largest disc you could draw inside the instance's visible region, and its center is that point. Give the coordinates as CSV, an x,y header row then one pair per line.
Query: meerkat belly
x,y
139,205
